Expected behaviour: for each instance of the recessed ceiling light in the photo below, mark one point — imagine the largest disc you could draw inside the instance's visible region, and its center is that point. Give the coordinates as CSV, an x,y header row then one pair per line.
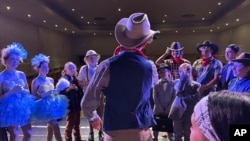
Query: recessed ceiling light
x,y
163,21
65,29
227,24
203,18
218,27
165,15
88,22
56,25
237,20
176,31
110,33
73,9
44,21
211,30
219,3
29,15
8,7
73,31
193,30
119,9
82,17
209,12
94,34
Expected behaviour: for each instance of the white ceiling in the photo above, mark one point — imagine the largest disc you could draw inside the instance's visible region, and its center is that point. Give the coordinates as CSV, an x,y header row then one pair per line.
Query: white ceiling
x,y
100,16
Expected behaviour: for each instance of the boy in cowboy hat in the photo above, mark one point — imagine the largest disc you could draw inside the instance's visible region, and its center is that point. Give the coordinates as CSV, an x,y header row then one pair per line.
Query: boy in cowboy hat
x,y
207,68
176,51
241,69
126,80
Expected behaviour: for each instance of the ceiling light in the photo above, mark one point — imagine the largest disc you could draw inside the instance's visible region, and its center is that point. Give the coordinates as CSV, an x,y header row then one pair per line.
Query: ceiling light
x,y
227,24
56,25
211,30
163,21
203,18
8,7
165,15
193,31
119,9
110,33
73,9
65,29
94,34
29,15
209,12
219,3
176,31
218,27
81,17
237,20
88,22
44,21
73,31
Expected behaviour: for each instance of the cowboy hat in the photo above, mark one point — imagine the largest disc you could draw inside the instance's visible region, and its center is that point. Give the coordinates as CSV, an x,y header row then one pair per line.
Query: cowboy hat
x,y
133,31
164,66
91,52
175,46
208,43
243,58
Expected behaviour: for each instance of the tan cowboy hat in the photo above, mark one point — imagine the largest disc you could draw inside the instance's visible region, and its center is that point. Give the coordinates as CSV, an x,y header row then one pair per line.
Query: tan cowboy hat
x,y
208,43
175,46
133,31
244,58
91,52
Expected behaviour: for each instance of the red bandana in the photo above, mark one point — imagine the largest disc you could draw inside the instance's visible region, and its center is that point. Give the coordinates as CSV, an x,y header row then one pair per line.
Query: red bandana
x,y
206,61
178,60
137,50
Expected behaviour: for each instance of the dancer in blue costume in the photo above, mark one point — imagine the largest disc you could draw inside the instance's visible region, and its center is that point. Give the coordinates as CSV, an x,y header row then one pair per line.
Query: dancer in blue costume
x,y
50,106
16,103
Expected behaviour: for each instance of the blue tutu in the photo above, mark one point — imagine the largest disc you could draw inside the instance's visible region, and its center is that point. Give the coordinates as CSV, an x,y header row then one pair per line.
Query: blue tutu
x,y
53,106
16,109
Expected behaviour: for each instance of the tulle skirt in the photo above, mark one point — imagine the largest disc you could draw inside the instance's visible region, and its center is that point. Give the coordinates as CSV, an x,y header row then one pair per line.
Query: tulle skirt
x,y
51,107
16,109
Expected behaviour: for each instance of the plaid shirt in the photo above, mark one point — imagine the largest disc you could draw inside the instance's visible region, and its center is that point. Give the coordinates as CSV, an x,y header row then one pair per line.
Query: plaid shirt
x,y
175,67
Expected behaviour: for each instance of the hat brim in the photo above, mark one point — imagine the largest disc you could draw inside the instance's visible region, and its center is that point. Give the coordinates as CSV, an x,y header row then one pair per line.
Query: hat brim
x,y
176,49
98,55
123,40
214,47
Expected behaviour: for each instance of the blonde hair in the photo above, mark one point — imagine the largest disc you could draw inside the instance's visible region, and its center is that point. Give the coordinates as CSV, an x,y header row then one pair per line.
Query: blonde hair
x,y
186,67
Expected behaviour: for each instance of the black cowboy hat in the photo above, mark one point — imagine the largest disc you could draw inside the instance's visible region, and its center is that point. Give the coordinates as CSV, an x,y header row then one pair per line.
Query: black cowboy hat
x,y
175,46
208,43
243,58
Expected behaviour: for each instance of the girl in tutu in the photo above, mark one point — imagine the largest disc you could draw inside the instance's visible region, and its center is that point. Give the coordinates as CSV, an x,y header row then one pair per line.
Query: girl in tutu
x,y
50,106
16,103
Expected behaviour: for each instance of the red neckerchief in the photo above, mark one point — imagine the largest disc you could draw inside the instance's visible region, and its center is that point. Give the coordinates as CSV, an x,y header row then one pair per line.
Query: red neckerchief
x,y
178,60
136,49
206,61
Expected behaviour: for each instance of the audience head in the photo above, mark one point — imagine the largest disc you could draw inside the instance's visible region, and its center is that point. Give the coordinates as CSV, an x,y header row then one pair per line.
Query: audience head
x,y
70,69
232,51
91,57
13,54
214,114
207,49
164,71
186,68
40,63
241,66
176,49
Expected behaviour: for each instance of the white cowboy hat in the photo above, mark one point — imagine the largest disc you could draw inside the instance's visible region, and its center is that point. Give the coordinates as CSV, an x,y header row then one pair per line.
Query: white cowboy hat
x,y
133,31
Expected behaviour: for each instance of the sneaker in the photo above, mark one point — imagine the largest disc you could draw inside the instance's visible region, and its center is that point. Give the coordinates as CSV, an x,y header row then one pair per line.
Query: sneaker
x,y
91,137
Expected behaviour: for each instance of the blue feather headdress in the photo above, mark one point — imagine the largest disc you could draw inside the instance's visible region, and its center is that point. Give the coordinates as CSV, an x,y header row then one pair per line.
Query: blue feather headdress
x,y
38,59
14,48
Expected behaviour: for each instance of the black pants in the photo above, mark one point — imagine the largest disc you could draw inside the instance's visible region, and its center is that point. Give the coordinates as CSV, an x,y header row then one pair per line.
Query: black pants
x,y
3,134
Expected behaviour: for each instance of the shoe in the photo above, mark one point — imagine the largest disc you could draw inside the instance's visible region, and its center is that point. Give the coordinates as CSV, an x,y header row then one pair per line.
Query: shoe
x,y
91,137
100,138
165,135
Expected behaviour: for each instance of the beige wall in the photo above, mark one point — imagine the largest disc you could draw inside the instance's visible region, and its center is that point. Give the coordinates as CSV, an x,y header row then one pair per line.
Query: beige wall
x,y
63,48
